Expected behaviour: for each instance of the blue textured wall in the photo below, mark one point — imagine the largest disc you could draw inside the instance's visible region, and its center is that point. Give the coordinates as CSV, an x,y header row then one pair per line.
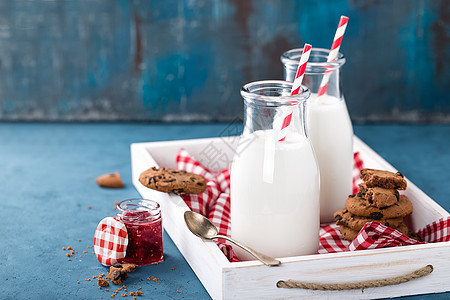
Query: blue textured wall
x,y
186,60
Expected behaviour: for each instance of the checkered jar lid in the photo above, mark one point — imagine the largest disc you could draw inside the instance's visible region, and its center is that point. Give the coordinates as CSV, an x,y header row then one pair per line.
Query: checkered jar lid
x,y
110,241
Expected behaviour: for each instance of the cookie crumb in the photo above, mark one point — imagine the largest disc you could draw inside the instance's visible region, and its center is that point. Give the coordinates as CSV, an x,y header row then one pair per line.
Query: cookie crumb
x,y
89,207
64,248
179,292
173,269
102,282
69,259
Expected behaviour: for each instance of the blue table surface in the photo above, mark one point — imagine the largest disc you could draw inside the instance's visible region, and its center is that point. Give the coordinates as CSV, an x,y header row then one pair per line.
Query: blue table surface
x,y
47,175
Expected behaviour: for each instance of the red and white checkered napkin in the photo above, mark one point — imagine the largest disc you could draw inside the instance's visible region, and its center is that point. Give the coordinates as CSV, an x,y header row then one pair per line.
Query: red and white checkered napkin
x,y
331,240
110,241
215,204
374,235
215,201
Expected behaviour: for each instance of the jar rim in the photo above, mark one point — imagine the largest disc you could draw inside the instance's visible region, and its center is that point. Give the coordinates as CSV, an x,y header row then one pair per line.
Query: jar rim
x,y
139,204
254,92
292,57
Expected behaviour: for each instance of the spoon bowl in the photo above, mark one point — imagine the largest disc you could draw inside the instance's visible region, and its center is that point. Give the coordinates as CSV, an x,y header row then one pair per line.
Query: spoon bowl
x,y
199,225
204,228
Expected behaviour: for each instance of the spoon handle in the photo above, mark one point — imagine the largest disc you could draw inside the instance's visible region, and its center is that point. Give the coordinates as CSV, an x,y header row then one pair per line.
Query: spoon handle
x,y
267,260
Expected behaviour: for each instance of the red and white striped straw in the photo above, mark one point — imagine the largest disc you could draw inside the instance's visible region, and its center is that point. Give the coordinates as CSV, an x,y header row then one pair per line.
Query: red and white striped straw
x,y
296,88
333,53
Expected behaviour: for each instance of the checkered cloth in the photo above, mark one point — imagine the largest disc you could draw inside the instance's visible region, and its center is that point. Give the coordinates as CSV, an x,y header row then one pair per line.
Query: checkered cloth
x,y
215,204
110,241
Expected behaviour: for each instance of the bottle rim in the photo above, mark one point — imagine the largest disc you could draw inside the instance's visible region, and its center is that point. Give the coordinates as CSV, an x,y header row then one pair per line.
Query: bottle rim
x,y
273,93
317,59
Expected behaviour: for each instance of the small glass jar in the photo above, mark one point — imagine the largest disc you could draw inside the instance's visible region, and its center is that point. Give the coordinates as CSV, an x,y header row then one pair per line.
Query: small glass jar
x,y
143,221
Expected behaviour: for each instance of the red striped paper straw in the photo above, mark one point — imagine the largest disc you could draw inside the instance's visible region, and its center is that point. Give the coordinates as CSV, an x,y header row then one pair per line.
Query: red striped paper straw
x,y
333,53
296,88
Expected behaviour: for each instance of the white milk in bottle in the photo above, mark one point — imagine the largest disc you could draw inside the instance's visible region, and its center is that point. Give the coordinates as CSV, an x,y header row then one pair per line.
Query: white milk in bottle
x,y
278,217
329,127
331,134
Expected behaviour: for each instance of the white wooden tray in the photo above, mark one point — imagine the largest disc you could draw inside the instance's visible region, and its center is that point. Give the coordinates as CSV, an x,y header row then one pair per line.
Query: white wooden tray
x,y
252,279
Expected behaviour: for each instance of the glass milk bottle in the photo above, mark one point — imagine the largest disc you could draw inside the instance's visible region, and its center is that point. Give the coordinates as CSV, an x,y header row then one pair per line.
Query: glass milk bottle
x,y
329,127
274,184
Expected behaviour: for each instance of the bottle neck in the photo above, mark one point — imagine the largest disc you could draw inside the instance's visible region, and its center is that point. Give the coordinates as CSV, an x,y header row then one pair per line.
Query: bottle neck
x,y
268,103
327,82
257,118
319,72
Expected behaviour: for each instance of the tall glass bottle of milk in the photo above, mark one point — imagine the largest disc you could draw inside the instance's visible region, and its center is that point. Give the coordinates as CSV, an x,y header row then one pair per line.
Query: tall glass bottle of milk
x,y
329,126
275,181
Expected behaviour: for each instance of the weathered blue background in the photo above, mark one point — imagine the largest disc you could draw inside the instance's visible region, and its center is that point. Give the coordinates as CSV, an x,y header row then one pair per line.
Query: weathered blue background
x,y
186,60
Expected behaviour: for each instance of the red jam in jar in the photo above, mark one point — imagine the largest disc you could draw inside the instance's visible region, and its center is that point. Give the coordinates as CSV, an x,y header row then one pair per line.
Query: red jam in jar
x,y
142,219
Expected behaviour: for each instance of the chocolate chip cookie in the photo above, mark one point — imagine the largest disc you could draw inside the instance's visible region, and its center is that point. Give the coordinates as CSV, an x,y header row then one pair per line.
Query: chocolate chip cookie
x,y
384,179
111,180
377,196
344,218
350,234
361,207
173,180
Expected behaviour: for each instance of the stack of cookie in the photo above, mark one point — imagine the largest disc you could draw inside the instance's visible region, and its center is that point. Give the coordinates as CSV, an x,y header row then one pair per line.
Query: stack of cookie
x,y
378,200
